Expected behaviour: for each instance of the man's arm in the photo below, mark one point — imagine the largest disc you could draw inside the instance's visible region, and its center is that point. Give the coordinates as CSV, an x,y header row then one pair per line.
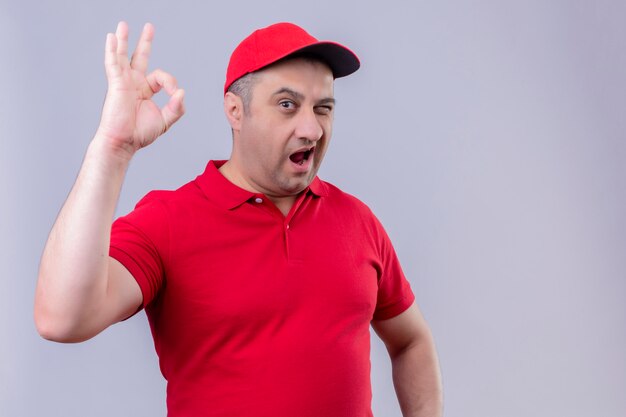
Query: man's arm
x,y
80,289
416,374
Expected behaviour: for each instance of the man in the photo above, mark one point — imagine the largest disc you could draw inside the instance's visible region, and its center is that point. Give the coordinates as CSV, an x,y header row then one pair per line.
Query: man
x,y
260,281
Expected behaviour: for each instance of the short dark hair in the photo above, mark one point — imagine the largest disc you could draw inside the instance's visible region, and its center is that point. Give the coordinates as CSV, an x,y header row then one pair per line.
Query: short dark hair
x,y
242,87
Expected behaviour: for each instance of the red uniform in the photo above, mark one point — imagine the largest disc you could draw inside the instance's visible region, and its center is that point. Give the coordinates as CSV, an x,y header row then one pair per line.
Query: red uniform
x,y
258,314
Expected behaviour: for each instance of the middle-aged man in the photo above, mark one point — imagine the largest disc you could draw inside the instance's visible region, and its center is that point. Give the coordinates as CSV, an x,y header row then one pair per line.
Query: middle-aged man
x,y
260,280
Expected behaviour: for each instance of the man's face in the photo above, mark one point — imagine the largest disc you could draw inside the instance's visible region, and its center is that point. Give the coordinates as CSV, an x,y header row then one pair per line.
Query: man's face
x,y
285,132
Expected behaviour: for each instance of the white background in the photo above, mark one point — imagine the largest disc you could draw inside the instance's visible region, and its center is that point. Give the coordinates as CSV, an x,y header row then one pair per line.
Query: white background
x,y
488,136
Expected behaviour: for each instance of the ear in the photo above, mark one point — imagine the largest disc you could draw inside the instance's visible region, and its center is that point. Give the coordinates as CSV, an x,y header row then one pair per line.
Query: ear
x,y
233,108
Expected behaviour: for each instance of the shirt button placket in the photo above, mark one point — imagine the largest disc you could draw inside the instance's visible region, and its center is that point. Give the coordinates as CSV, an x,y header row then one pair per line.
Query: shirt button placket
x,y
286,230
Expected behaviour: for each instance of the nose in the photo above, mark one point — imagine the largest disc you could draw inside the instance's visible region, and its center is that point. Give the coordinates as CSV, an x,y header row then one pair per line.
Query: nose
x,y
308,126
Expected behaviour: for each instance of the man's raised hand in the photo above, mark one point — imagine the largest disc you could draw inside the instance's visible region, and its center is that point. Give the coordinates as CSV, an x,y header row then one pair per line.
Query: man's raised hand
x,y
130,119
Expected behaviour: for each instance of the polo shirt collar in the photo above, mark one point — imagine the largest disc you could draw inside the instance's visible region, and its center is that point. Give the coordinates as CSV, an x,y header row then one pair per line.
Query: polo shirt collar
x,y
229,196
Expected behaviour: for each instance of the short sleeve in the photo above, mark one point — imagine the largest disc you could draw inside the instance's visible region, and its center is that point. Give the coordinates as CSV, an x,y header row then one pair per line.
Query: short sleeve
x,y
140,242
394,291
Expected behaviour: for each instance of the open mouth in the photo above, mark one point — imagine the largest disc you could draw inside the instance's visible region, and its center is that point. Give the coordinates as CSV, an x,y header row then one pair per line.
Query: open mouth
x,y
302,156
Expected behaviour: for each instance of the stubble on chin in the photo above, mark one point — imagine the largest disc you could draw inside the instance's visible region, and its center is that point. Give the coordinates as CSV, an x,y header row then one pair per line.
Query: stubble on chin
x,y
292,185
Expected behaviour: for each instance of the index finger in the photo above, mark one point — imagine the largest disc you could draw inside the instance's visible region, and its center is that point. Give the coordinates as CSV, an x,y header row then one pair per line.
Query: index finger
x,y
139,60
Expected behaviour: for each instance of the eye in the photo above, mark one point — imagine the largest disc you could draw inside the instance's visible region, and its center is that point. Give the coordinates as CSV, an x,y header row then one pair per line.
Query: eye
x,y
287,104
324,109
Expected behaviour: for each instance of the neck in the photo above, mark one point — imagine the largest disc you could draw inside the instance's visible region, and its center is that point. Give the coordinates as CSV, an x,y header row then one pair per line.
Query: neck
x,y
284,204
232,174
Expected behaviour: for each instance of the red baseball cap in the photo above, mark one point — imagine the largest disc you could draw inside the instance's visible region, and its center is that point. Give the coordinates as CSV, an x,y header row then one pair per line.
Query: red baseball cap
x,y
270,44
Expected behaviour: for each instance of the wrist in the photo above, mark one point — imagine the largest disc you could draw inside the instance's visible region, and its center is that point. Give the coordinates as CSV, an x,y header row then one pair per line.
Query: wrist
x,y
112,148
108,156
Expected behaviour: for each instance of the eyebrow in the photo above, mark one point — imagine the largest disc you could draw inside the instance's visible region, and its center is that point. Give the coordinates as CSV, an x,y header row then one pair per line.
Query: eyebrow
x,y
299,96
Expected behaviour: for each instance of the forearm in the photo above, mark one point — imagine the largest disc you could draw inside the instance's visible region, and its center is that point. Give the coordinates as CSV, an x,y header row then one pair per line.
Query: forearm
x,y
72,278
417,379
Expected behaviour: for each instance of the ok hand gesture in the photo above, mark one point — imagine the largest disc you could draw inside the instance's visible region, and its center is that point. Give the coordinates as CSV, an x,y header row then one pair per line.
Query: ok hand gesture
x,y
130,119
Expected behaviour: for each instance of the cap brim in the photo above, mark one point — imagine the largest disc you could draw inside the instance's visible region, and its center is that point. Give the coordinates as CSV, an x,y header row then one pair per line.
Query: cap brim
x,y
341,60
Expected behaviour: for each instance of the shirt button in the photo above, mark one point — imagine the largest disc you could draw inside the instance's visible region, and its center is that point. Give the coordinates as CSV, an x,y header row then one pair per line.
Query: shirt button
x,y
287,227
258,200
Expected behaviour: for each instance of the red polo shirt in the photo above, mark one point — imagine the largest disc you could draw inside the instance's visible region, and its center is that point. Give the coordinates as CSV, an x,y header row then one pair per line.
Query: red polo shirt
x,y
258,314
